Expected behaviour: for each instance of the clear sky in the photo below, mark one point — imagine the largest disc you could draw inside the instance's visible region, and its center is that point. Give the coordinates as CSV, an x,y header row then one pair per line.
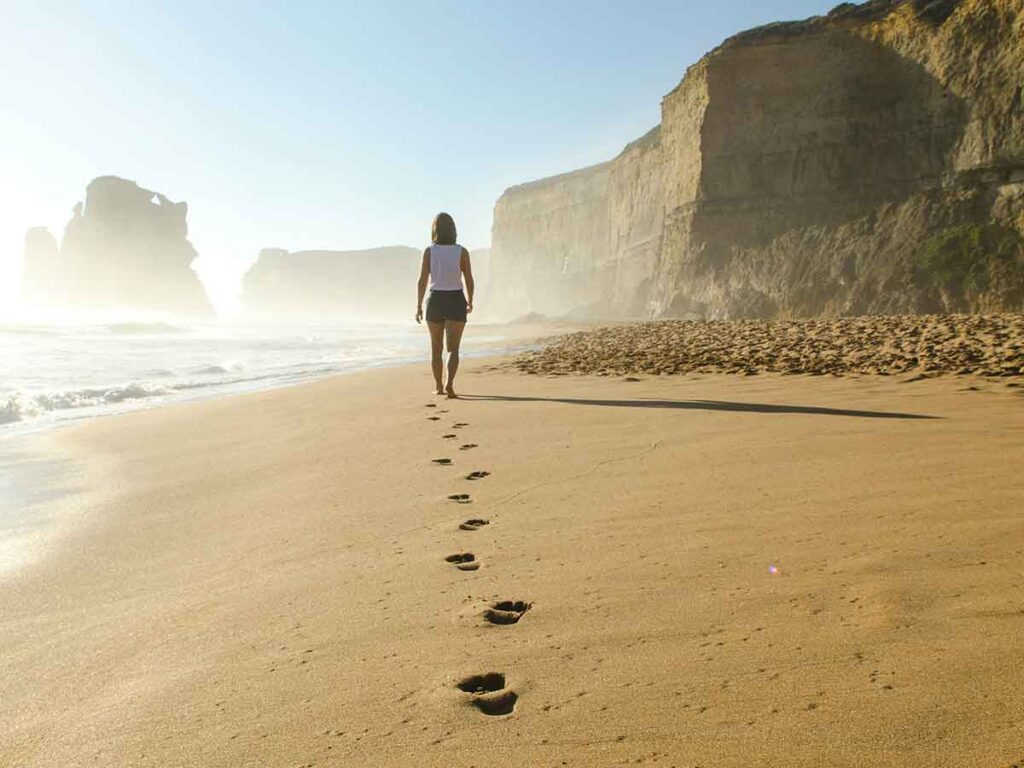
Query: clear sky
x,y
329,124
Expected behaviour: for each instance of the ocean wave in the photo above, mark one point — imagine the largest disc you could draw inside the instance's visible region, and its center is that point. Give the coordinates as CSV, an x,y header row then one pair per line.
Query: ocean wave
x,y
83,398
69,372
21,407
10,411
278,375
75,329
227,367
30,330
139,328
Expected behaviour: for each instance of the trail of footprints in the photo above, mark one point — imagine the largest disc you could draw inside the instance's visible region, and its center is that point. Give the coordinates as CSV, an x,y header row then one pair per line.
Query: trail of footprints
x,y
489,692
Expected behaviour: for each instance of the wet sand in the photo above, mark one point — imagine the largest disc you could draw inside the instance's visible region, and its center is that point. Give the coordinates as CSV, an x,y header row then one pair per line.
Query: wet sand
x,y
706,570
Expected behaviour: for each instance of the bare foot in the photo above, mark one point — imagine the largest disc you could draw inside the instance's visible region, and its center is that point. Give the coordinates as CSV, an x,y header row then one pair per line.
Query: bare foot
x,y
439,390
450,393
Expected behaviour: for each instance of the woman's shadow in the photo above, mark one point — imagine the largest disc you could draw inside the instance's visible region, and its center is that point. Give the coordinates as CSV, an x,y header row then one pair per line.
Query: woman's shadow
x,y
705,405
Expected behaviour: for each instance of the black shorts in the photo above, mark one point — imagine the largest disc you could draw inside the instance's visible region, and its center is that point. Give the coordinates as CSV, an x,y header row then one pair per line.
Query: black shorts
x,y
446,305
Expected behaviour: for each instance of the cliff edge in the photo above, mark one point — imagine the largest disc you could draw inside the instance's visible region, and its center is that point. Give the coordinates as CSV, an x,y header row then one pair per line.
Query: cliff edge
x,y
867,161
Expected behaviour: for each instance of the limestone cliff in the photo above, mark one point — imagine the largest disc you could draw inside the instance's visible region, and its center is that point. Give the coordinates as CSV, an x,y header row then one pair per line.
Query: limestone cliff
x,y
373,284
868,161
559,226
125,247
364,284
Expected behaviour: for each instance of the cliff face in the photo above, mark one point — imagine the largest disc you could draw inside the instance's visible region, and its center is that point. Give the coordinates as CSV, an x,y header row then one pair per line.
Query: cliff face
x,y
559,228
125,247
373,284
867,161
364,284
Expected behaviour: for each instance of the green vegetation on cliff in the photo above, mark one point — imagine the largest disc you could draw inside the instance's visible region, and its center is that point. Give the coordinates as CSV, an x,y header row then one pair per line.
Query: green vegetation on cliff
x,y
972,259
966,258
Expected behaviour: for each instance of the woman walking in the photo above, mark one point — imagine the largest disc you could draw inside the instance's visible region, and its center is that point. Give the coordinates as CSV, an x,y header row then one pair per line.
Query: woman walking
x,y
445,265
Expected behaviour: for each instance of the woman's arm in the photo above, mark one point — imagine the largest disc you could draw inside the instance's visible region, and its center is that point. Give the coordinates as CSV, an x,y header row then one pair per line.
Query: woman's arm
x,y
467,273
421,287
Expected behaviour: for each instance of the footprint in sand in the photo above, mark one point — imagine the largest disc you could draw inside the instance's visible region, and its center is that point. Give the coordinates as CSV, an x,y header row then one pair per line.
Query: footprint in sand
x,y
464,561
434,418
467,446
489,694
449,437
461,498
473,525
460,424
507,611
478,475
430,405
441,462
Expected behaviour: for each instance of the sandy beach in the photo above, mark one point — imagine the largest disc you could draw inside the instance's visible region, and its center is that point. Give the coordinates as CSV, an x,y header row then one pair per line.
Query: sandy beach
x,y
734,477
700,570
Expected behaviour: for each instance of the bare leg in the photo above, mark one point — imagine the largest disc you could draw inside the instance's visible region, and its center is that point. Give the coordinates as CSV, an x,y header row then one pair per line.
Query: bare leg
x,y
436,358
453,331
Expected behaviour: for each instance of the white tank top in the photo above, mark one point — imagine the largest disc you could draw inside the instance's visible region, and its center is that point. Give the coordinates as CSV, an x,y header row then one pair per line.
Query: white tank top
x,y
446,267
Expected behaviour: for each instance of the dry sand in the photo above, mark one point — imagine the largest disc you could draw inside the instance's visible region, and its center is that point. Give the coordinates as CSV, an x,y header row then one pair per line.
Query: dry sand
x,y
719,571
987,345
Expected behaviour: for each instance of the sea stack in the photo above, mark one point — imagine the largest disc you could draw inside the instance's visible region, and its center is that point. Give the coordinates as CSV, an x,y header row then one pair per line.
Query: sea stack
x,y
125,247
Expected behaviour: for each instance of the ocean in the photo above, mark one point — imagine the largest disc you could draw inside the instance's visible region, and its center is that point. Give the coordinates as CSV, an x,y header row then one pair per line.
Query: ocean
x,y
52,374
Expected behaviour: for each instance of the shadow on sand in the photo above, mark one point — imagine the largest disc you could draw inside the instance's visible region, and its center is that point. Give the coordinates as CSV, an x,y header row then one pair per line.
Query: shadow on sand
x,y
705,405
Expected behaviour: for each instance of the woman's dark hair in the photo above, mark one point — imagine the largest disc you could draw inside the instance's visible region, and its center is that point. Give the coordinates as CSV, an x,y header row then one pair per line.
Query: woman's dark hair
x,y
442,232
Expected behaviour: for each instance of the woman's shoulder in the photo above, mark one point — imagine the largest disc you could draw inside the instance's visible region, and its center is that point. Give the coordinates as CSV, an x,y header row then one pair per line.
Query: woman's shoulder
x,y
456,247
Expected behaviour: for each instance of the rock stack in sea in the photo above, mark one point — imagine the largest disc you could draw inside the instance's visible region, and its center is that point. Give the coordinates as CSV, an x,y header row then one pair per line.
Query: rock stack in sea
x,y
126,247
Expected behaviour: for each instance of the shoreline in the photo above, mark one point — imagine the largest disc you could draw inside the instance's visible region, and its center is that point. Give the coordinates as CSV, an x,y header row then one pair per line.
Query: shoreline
x,y
497,339
715,568
32,513
46,493
31,485
40,478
